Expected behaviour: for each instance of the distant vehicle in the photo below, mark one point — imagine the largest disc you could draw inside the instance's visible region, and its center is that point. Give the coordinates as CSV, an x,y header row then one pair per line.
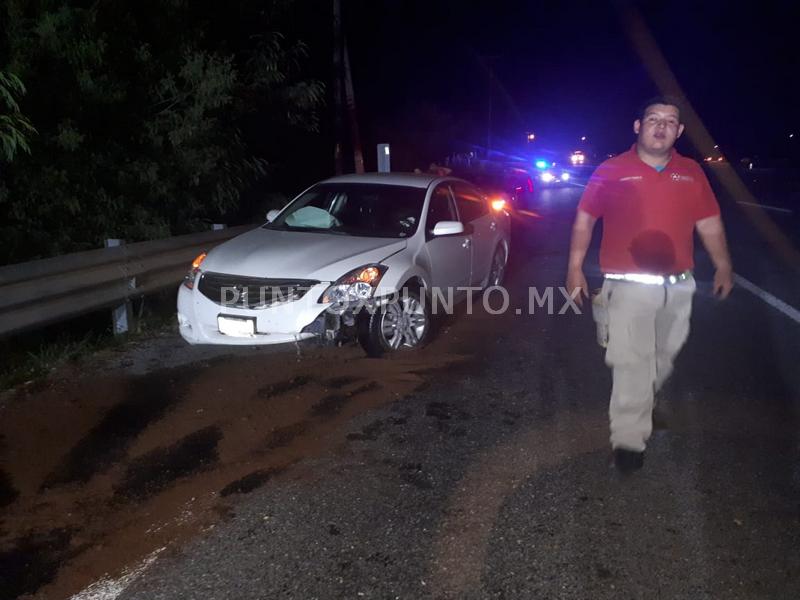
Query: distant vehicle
x,y
512,184
551,174
355,256
715,156
577,158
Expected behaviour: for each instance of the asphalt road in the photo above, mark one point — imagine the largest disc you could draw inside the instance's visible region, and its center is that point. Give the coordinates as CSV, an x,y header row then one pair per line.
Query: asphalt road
x,y
763,221
493,479
480,470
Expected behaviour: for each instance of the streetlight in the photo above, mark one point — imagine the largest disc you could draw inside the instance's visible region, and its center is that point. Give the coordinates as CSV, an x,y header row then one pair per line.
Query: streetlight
x,y
531,137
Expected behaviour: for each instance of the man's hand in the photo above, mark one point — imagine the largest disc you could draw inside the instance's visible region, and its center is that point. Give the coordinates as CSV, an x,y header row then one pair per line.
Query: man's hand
x,y
723,282
581,237
577,281
712,233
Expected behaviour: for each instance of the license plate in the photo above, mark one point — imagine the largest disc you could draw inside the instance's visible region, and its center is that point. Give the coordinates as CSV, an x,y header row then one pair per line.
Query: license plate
x,y
236,326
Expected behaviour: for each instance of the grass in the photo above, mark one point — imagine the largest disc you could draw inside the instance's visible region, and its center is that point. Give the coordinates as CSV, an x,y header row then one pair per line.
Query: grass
x,y
51,356
33,356
22,365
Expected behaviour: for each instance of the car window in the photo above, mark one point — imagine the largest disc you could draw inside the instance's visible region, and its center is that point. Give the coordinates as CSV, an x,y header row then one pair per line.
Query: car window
x,y
361,209
471,203
441,207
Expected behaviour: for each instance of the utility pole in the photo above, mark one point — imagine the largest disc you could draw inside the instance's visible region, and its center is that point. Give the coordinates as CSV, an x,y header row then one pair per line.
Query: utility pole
x,y
486,62
343,75
337,86
489,124
358,155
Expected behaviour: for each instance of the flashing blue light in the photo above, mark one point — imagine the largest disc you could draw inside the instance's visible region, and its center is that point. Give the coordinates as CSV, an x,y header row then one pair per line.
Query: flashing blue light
x,y
541,164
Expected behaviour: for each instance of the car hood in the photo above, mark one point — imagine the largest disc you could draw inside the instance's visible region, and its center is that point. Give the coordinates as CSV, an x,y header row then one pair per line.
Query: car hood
x,y
298,255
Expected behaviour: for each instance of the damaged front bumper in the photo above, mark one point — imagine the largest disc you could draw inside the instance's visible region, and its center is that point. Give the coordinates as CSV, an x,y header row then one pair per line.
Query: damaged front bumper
x,y
345,322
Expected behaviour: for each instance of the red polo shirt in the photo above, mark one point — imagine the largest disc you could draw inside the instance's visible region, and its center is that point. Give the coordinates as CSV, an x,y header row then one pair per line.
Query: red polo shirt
x,y
648,217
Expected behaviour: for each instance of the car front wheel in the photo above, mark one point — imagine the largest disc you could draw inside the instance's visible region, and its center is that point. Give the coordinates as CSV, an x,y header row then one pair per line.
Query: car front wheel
x,y
403,323
497,272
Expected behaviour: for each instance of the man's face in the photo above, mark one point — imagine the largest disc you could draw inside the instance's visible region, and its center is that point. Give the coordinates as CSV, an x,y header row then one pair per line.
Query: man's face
x,y
658,128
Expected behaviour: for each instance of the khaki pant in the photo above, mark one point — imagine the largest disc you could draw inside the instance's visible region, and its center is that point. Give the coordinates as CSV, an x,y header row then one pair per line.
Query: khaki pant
x,y
647,326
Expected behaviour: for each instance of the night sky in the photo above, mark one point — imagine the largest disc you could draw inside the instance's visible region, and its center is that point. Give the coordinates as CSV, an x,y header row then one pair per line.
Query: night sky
x,y
424,71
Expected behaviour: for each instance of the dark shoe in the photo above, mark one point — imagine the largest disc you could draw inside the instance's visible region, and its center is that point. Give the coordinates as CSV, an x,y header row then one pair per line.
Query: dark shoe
x,y
628,461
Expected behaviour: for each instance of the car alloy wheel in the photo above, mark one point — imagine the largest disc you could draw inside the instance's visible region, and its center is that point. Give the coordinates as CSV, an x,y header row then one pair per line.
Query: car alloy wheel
x,y
403,323
497,272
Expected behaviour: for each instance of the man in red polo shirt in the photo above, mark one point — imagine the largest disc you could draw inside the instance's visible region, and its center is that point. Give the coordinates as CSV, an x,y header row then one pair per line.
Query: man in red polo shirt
x,y
651,200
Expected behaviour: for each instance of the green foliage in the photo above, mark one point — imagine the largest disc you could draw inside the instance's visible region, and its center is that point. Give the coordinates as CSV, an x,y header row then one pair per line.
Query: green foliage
x,y
14,127
147,116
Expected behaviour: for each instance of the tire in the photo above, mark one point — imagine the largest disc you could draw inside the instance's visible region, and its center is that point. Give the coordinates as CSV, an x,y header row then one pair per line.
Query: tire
x,y
497,270
403,324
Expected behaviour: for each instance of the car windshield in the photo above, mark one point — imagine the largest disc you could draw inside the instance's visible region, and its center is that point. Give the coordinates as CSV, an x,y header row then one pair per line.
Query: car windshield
x,y
360,209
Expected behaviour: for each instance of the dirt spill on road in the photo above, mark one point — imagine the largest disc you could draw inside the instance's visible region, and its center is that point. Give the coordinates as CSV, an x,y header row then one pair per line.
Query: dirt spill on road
x,y
107,442
7,492
98,471
33,559
151,473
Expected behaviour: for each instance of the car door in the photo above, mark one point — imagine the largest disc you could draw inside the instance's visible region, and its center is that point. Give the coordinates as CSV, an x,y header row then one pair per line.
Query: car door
x,y
479,221
449,256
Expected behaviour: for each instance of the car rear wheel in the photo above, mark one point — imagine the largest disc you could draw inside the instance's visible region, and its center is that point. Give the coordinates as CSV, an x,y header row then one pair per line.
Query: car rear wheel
x,y
403,323
497,272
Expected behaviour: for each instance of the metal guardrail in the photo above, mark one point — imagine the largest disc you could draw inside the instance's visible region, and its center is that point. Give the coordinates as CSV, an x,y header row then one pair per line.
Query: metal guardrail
x,y
41,292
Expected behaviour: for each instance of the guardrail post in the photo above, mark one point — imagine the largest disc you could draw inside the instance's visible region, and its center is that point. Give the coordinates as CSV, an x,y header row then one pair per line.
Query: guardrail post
x,y
120,315
384,158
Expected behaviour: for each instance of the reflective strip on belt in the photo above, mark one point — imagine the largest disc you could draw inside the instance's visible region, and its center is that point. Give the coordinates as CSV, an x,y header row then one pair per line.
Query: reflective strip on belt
x,y
648,279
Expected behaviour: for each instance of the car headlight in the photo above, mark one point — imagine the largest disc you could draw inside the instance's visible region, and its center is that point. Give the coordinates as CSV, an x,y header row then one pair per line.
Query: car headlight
x,y
188,281
357,285
548,177
565,176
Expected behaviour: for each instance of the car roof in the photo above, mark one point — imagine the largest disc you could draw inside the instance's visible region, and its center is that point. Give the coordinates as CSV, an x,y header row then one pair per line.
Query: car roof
x,y
419,180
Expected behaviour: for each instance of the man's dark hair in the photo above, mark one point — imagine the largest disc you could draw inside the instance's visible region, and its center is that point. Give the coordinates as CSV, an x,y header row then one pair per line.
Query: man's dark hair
x,y
667,100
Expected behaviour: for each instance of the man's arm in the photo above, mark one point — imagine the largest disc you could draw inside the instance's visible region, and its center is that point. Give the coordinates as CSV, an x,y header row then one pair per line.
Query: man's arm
x,y
579,245
712,234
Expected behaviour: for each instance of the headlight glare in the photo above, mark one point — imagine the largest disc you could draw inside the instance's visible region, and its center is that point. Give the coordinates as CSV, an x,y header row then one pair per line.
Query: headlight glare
x,y
355,286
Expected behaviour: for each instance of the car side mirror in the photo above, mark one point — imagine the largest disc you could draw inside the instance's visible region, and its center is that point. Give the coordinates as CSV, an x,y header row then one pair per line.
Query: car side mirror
x,y
448,228
272,214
